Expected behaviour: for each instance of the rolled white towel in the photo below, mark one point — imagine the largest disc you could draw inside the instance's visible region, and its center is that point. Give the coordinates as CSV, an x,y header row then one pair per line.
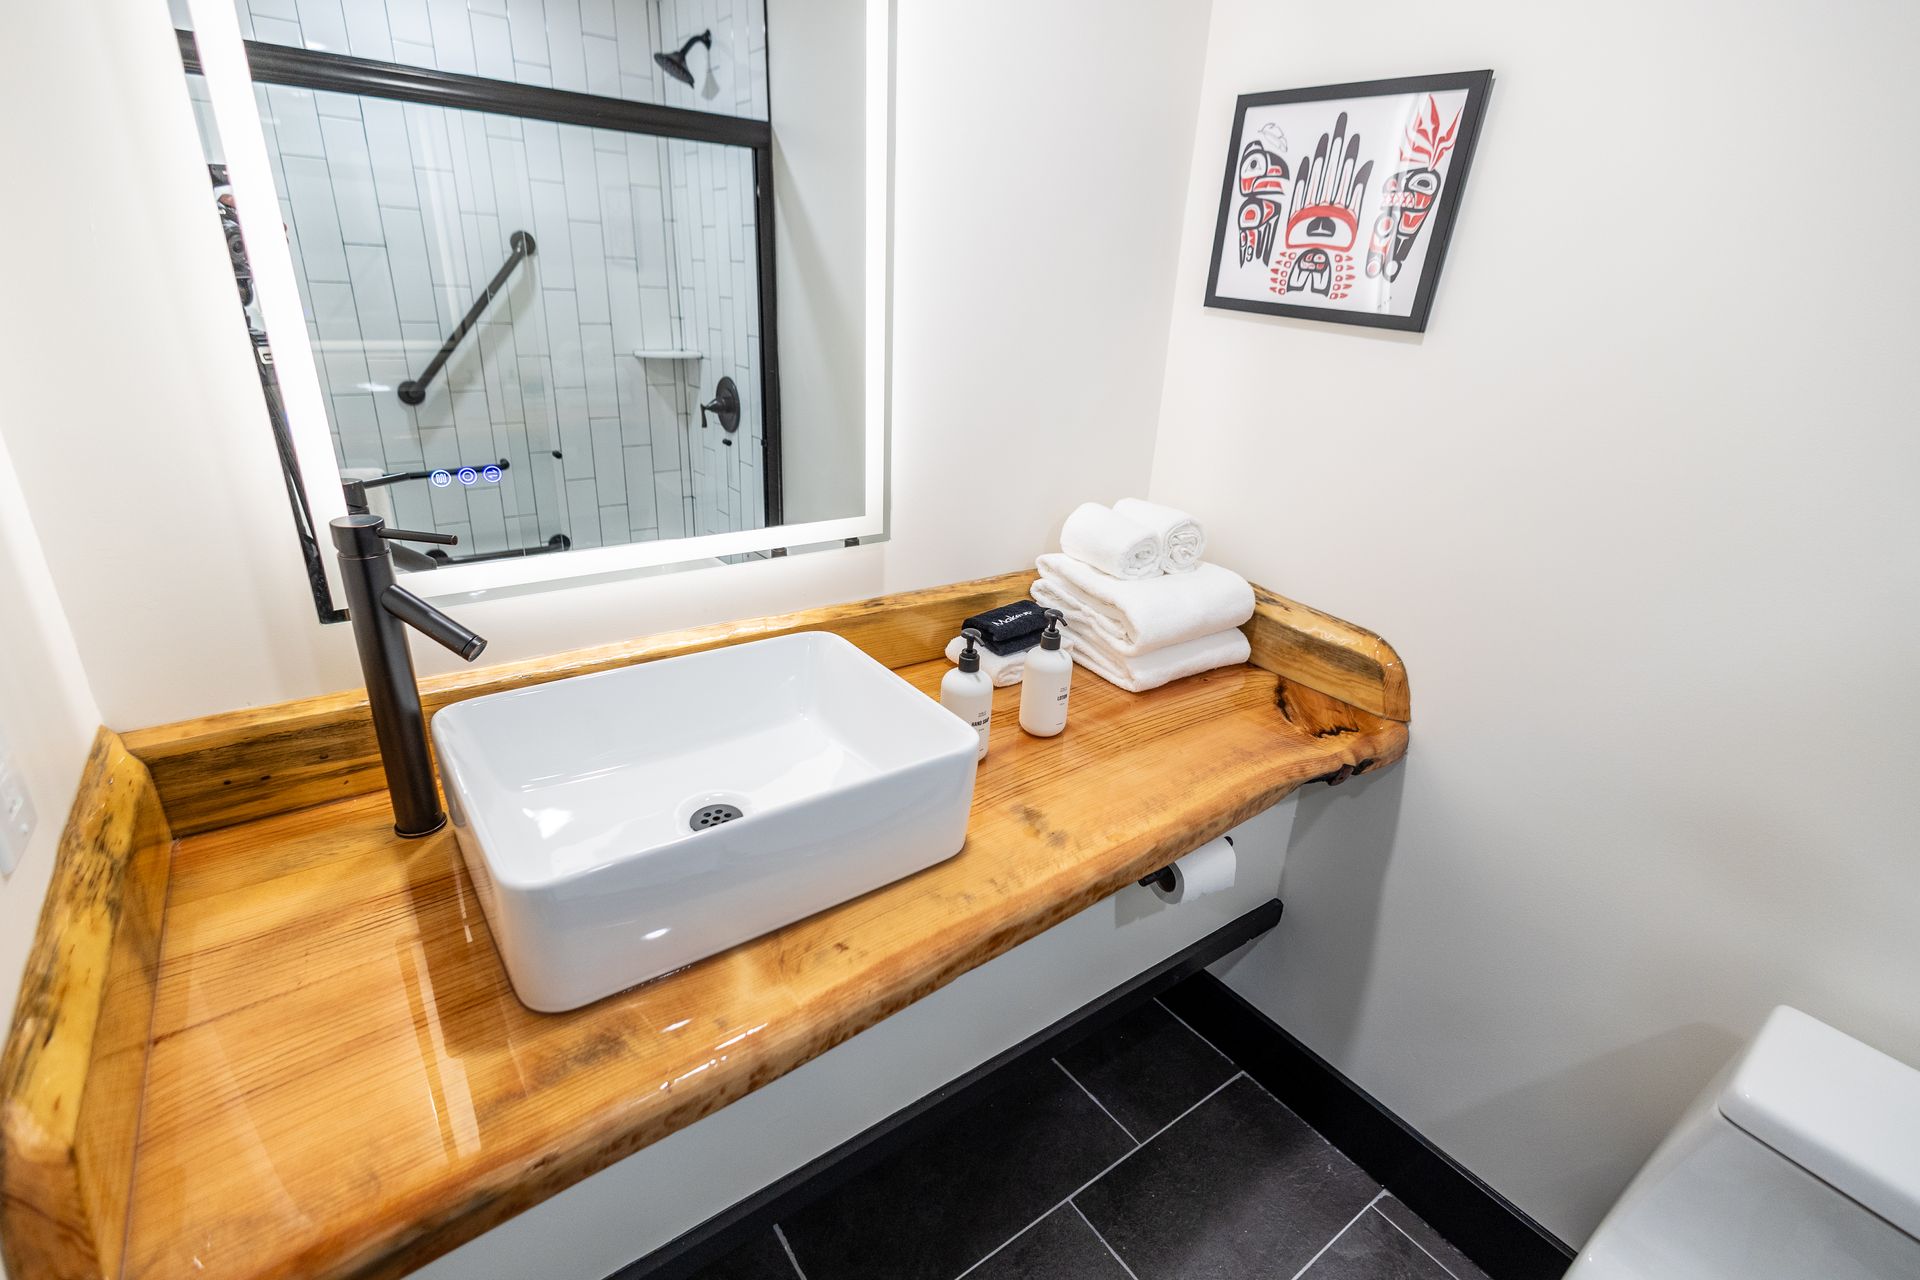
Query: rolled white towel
x,y
1001,669
1131,618
1183,543
1151,670
1095,536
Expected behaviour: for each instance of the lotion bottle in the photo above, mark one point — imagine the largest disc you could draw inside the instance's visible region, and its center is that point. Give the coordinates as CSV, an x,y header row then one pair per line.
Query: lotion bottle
x,y
1045,684
968,693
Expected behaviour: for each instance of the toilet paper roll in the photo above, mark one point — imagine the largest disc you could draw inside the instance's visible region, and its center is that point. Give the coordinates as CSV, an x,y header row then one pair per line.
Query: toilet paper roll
x,y
1208,869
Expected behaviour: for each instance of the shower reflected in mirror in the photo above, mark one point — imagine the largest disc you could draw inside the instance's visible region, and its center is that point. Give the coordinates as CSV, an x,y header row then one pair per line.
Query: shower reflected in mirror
x,y
541,296
675,63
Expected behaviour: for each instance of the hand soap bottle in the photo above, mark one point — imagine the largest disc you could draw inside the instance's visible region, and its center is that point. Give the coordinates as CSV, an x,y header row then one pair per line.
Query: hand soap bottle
x,y
1045,685
968,693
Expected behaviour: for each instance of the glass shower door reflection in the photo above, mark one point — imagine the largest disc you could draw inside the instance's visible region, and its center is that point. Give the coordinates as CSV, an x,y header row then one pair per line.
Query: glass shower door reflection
x,y
567,413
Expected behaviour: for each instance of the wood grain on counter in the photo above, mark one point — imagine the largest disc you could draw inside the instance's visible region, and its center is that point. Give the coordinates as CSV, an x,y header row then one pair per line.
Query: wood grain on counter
x,y
75,1059
339,1082
342,1083
240,765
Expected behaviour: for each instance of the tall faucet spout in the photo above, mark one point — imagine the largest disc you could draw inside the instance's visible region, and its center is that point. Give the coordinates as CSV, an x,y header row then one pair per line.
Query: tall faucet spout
x,y
431,623
381,612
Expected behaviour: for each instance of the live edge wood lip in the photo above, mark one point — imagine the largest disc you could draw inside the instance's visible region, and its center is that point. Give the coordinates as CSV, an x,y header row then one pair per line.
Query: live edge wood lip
x,y
74,1064
239,765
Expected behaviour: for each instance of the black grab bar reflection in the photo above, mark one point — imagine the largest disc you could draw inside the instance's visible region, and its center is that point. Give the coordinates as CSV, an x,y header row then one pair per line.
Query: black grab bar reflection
x,y
414,390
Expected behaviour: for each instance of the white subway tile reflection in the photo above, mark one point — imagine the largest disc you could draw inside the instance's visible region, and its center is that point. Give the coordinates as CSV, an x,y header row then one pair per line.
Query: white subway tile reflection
x,y
400,213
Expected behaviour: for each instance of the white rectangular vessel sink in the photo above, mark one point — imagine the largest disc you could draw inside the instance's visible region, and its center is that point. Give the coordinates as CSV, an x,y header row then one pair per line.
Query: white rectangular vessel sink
x,y
622,824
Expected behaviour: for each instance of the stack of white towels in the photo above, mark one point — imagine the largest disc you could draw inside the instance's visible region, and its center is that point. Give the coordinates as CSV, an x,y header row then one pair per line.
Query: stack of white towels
x,y
1141,604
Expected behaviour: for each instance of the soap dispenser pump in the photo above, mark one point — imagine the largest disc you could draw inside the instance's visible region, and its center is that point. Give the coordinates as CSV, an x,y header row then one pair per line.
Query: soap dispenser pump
x,y
968,693
1046,683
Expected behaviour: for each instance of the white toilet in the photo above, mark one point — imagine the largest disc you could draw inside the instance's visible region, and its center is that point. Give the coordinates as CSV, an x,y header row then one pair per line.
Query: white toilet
x,y
1801,1162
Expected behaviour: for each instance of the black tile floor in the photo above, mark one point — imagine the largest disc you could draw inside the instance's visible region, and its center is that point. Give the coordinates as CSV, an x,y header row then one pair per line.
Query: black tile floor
x,y
1140,1154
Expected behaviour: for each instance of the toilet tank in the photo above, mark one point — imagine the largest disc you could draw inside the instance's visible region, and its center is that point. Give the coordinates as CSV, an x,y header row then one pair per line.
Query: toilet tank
x,y
1800,1162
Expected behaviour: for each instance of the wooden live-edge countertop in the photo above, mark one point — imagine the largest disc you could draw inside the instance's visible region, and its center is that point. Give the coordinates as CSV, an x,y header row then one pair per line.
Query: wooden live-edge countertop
x,y
341,1083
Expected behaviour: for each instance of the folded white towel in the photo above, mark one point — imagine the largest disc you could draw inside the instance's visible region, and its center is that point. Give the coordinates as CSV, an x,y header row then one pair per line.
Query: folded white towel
x,y
1095,536
1131,618
1183,543
1151,670
1002,669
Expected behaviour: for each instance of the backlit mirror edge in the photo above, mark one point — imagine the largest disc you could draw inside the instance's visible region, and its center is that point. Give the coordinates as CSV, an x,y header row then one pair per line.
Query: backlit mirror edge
x,y
229,83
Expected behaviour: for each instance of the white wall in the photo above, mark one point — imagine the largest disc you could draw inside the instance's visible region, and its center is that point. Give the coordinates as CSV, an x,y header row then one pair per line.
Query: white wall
x,y
47,714
1005,412
131,409
1638,513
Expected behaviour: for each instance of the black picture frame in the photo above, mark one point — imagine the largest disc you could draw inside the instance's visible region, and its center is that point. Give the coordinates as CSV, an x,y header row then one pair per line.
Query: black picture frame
x,y
1478,86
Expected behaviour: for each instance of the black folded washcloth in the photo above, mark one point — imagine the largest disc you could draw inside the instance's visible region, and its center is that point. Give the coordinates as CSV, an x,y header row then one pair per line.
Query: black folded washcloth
x,y
1019,644
1012,628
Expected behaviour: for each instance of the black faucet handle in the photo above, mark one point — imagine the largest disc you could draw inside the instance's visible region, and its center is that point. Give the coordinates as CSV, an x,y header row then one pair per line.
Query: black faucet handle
x,y
412,535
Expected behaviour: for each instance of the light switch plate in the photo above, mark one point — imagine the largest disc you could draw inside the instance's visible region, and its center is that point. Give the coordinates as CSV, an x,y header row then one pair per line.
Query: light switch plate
x,y
16,811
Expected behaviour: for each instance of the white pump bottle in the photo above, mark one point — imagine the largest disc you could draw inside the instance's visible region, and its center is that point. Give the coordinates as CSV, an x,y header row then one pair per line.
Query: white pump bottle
x,y
968,693
1045,683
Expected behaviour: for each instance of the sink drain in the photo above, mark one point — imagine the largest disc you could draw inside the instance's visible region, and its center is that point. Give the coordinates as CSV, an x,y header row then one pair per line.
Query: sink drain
x,y
712,816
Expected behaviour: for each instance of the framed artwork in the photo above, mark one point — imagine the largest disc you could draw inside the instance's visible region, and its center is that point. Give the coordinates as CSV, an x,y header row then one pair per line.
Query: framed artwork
x,y
1338,202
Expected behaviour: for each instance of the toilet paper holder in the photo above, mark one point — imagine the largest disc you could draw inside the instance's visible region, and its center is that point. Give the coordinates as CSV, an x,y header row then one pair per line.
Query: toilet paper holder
x,y
1163,878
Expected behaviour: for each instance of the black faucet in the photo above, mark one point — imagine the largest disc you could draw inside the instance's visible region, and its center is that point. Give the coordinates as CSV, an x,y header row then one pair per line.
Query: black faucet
x,y
381,611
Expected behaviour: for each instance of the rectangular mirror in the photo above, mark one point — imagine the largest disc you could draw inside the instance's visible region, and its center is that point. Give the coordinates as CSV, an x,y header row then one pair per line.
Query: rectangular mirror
x,y
596,287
